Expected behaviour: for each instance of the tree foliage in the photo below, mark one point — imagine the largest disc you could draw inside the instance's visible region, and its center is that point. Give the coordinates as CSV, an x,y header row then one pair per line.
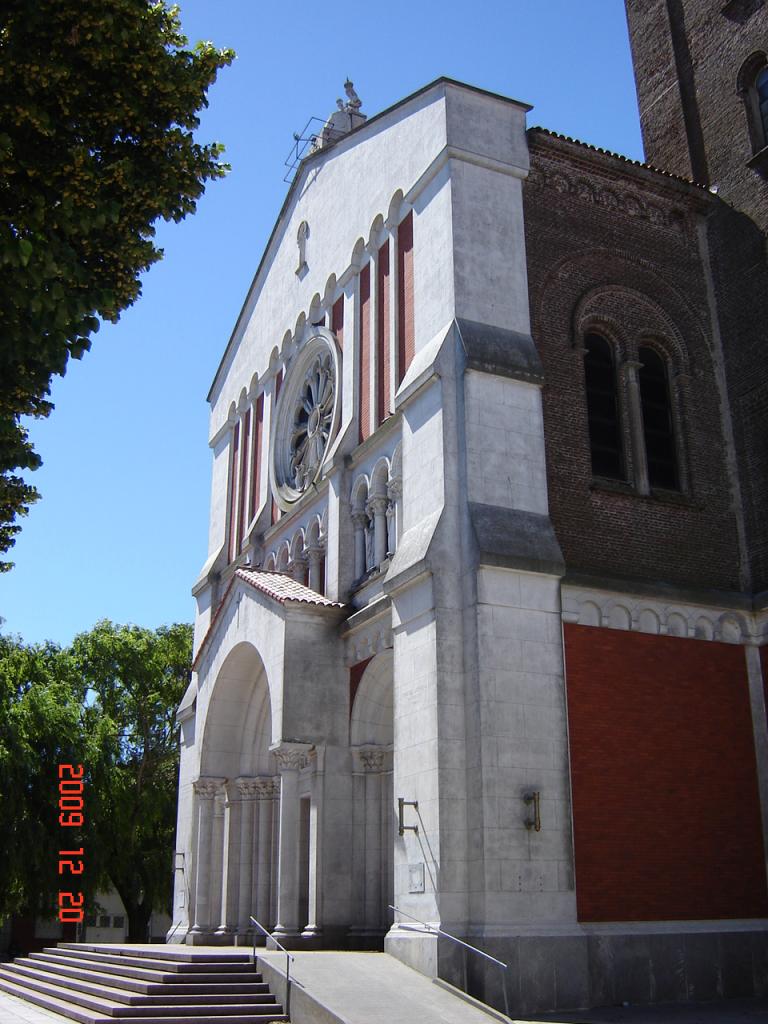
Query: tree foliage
x,y
41,726
107,702
98,105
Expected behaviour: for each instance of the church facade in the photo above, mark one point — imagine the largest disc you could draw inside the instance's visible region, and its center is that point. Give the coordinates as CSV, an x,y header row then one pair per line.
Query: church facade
x,y
482,637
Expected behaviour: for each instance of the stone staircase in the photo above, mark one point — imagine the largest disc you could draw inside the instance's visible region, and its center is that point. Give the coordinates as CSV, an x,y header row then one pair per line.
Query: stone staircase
x,y
98,984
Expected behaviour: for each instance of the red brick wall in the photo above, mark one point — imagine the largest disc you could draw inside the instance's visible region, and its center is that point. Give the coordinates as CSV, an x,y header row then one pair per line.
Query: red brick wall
x,y
571,209
764,664
364,398
405,326
665,802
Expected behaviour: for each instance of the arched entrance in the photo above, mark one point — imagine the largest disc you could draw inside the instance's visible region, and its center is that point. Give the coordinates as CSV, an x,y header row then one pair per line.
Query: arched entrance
x,y
237,797
371,738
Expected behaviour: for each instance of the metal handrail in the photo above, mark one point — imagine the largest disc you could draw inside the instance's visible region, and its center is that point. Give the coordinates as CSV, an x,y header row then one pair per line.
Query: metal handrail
x,y
466,946
289,959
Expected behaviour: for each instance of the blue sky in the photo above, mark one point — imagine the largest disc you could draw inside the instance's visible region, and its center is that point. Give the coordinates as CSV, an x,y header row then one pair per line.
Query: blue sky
x,y
121,529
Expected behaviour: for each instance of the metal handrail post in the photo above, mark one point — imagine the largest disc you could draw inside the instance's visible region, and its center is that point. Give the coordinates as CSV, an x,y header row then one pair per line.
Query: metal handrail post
x,y
467,946
288,958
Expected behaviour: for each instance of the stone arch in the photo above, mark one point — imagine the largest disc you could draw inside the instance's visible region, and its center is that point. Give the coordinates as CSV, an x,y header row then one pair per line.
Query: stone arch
x,y
677,624
380,478
648,621
283,557
730,628
589,614
371,721
619,617
270,564
373,815
238,723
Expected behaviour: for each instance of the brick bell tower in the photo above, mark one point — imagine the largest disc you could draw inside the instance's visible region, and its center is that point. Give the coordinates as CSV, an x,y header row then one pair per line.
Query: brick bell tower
x,y
701,69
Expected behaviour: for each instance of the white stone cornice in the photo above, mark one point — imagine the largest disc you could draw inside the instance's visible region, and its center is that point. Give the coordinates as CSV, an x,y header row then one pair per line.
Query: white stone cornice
x,y
588,606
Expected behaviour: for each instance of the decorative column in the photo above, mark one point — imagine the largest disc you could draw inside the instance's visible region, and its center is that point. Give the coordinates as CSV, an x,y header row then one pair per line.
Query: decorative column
x,y
640,462
394,493
369,886
248,790
267,792
315,557
377,508
360,519
205,792
298,569
290,759
217,855
231,861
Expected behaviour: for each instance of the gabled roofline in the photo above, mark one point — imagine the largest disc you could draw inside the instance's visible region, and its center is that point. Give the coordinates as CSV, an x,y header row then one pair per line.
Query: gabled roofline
x,y
312,158
297,595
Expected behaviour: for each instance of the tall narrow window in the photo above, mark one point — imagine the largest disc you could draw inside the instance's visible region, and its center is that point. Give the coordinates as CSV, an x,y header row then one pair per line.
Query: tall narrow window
x,y
761,89
278,382
258,421
603,408
233,481
657,420
382,335
243,488
364,377
405,331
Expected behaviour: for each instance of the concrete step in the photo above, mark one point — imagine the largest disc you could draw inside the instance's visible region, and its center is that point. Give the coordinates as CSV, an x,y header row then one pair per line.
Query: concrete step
x,y
161,976
157,962
257,993
105,1006
156,950
180,986
95,987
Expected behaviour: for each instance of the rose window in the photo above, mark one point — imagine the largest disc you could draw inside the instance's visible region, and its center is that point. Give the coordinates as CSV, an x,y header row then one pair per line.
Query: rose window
x,y
306,418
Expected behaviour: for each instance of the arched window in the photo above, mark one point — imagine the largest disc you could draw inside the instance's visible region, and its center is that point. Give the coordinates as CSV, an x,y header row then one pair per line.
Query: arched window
x,y
658,433
603,408
752,86
761,90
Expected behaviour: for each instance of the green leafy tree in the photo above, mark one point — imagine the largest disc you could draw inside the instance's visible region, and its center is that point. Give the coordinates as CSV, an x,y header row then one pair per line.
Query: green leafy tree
x,y
136,679
98,105
41,726
109,703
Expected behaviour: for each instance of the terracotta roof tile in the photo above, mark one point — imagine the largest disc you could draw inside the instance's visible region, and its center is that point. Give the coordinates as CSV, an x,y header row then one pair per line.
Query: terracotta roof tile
x,y
283,588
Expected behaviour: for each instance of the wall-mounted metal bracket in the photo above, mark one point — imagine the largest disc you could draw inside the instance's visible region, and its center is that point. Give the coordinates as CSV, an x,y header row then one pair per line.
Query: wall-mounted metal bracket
x,y
535,799
401,804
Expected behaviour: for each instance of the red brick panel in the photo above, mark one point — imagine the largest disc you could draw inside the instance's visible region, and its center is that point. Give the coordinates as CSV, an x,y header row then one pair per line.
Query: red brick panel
x,y
243,480
337,321
278,382
382,335
365,352
405,324
233,463
665,802
258,423
355,678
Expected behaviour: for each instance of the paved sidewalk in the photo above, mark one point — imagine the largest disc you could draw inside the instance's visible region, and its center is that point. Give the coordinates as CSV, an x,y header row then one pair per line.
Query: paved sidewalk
x,y
16,1011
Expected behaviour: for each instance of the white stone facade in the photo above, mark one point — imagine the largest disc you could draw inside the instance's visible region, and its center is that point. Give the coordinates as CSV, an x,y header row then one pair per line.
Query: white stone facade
x,y
418,653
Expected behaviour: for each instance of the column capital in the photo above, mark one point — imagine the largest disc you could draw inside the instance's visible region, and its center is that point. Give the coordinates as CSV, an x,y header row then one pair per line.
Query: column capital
x,y
377,504
208,788
371,759
291,756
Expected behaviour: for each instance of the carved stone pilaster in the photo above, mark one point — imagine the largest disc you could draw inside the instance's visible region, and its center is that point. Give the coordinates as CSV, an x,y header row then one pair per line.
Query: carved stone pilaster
x,y
291,756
